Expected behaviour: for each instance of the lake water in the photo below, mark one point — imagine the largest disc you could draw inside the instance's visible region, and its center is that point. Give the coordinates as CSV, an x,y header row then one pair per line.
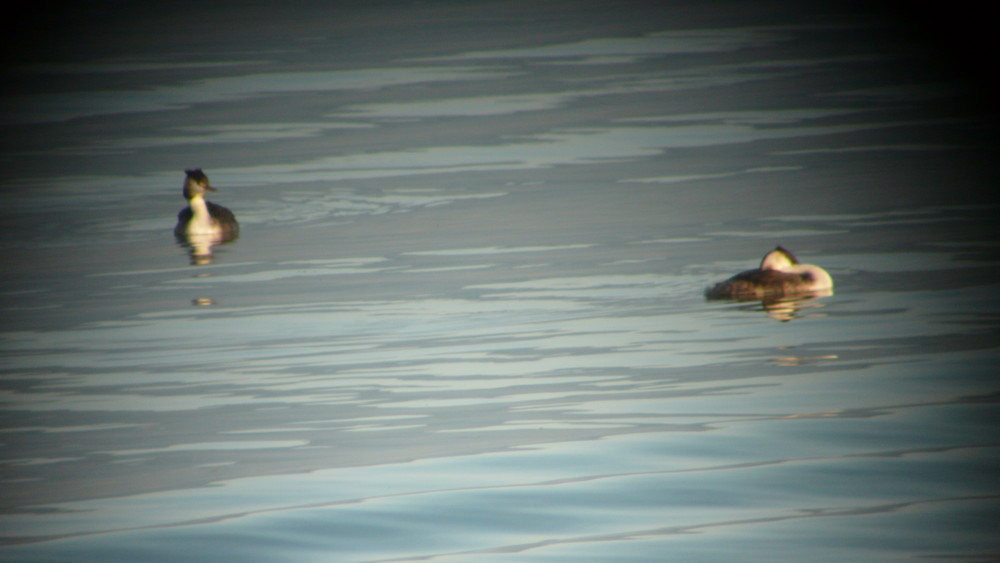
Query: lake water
x,y
465,318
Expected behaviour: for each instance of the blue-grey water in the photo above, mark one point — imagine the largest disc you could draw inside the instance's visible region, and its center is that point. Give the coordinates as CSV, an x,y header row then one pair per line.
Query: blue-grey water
x,y
465,317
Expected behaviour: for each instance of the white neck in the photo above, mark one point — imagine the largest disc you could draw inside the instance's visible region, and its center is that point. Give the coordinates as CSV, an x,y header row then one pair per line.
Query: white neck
x,y
201,219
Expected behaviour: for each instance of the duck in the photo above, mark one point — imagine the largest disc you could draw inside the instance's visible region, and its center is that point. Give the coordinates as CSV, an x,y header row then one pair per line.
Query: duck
x,y
202,218
780,275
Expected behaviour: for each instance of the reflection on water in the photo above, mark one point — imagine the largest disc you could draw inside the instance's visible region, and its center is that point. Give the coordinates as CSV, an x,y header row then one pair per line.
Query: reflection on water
x,y
465,321
786,309
199,246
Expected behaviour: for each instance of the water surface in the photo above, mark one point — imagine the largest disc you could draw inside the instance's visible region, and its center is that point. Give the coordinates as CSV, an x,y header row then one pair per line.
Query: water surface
x,y
465,321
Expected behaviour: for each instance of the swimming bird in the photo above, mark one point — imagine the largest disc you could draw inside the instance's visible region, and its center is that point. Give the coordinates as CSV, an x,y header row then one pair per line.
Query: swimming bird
x,y
780,275
202,218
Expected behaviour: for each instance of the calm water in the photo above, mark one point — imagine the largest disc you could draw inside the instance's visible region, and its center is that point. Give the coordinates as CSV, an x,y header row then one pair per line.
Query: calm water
x,y
465,322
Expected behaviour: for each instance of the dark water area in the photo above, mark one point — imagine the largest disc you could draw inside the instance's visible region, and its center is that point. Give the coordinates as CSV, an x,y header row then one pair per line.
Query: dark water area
x,y
465,319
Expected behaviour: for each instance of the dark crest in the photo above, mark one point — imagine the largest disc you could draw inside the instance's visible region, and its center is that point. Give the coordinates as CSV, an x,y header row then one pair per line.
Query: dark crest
x,y
197,175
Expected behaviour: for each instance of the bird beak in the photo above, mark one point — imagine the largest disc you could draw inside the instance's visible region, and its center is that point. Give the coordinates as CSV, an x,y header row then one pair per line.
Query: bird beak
x,y
210,188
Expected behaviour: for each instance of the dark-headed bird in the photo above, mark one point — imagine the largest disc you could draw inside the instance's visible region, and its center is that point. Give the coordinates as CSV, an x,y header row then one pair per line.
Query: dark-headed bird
x,y
202,218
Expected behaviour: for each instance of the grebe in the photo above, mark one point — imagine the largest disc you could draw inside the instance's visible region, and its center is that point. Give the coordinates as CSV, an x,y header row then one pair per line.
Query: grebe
x,y
780,275
202,218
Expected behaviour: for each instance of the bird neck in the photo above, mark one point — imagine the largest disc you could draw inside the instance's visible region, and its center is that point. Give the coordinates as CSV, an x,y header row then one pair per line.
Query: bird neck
x,y
199,208
201,218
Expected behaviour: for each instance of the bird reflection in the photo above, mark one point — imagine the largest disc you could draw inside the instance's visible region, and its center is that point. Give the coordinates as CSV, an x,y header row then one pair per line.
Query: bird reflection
x,y
786,309
203,224
789,308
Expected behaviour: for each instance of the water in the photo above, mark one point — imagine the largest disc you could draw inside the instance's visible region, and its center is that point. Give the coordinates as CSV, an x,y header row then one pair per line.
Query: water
x,y
464,320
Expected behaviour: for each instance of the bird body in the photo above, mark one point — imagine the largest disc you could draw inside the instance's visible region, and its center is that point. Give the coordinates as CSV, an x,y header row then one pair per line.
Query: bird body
x,y
780,275
202,218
